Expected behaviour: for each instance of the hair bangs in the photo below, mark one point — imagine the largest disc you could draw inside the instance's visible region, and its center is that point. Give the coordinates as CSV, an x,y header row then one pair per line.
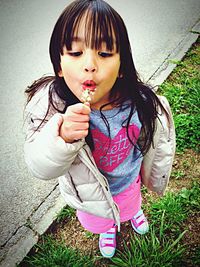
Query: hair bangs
x,y
100,27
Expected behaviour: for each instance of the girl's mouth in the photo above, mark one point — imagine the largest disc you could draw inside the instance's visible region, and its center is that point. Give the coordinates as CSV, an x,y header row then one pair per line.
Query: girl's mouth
x,y
89,85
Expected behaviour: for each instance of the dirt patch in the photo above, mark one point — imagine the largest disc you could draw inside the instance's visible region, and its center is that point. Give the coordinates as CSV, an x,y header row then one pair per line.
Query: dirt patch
x,y
186,168
187,161
191,237
75,236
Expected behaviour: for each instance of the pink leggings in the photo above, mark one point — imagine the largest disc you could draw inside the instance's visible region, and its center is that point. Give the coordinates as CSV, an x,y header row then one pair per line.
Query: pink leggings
x,y
129,203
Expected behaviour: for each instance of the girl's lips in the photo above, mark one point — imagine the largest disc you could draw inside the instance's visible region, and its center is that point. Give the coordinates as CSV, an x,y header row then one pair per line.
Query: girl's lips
x,y
89,85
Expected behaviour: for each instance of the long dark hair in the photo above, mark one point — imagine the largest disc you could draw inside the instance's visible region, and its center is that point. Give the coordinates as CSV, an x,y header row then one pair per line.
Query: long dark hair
x,y
102,22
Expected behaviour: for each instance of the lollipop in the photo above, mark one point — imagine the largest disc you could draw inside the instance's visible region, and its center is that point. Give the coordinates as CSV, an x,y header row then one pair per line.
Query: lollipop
x,y
89,88
86,95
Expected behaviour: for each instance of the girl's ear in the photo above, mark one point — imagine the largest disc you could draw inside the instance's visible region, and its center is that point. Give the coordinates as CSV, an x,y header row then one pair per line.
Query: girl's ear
x,y
120,75
60,73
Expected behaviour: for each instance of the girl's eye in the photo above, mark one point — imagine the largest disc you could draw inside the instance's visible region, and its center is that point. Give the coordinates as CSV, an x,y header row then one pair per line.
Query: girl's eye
x,y
75,54
105,54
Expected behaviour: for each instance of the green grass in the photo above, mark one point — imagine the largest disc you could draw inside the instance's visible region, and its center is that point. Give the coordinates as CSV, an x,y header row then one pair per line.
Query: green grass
x,y
174,212
66,213
176,206
50,253
151,250
190,198
182,89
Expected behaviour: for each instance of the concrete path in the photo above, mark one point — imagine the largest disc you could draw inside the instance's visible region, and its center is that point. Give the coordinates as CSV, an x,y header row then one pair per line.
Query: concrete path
x,y
159,30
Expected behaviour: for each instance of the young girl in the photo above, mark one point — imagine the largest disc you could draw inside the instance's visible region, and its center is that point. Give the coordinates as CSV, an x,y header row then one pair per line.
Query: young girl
x,y
84,125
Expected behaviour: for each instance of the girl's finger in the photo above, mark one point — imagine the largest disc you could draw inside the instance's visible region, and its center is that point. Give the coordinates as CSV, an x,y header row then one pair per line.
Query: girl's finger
x,y
75,126
79,108
76,117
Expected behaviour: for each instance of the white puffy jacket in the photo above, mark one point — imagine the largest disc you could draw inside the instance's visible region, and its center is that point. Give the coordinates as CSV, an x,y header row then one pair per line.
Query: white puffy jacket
x,y
81,184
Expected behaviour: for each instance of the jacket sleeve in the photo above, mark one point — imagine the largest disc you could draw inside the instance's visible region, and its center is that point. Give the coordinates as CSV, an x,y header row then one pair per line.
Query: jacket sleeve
x,y
46,153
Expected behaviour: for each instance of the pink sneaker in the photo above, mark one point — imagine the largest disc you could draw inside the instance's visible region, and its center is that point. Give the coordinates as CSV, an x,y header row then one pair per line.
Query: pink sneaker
x,y
107,242
140,223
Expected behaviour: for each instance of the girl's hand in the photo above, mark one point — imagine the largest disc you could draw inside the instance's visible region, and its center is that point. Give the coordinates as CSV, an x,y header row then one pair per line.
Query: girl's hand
x,y
75,122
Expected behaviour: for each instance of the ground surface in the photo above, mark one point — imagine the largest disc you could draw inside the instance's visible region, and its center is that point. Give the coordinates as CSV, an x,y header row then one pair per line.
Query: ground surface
x,y
186,169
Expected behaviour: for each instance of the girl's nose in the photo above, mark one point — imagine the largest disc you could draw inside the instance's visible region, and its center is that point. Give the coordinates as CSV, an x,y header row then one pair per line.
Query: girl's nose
x,y
90,69
90,64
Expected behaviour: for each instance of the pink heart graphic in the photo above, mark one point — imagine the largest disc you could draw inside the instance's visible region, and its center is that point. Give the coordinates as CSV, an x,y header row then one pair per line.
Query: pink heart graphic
x,y
110,153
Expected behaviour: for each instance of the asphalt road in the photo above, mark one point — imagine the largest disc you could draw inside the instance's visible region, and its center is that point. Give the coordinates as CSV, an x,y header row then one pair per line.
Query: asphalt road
x,y
159,30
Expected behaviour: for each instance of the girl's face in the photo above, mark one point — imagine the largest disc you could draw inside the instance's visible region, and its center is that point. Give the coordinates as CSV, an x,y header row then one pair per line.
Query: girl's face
x,y
86,68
